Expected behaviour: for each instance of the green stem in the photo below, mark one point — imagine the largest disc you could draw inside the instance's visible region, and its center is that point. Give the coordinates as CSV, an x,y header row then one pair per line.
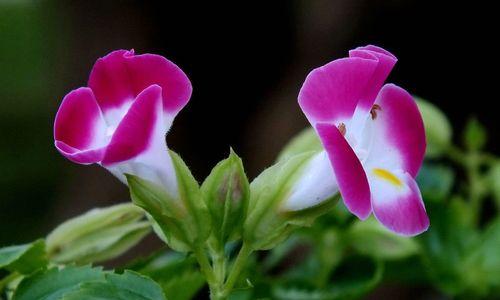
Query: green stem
x,y
219,265
8,279
237,267
207,270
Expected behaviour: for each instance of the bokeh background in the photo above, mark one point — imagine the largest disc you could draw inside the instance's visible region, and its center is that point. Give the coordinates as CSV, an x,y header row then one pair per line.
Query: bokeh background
x,y
246,62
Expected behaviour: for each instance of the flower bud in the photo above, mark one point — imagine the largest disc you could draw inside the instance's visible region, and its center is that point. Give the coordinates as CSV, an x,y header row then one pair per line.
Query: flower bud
x,y
98,235
226,192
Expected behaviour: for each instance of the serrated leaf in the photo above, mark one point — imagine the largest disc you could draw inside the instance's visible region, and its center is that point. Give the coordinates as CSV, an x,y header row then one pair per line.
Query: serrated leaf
x,y
24,258
54,283
372,239
307,140
173,272
127,286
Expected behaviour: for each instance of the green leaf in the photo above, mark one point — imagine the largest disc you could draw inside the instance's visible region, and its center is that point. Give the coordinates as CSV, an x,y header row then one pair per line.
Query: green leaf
x,y
307,140
372,239
184,222
98,235
24,259
475,136
54,283
226,192
126,286
178,275
438,130
435,181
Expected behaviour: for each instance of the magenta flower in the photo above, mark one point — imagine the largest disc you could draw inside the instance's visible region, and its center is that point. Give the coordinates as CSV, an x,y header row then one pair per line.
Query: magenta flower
x,y
373,135
120,120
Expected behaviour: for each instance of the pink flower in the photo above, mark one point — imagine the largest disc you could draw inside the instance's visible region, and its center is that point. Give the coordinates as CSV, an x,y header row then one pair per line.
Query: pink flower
x,y
373,135
120,120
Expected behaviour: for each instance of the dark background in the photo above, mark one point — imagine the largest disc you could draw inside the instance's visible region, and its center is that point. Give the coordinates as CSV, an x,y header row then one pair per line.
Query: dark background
x,y
246,63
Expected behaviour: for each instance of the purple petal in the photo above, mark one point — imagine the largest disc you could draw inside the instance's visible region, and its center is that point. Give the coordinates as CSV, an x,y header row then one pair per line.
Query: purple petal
x,y
137,129
330,93
386,62
398,131
119,77
79,128
348,170
397,203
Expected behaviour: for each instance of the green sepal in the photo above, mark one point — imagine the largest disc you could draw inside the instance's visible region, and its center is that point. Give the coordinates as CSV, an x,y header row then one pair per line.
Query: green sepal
x,y
438,131
305,141
268,224
98,235
226,193
24,259
184,222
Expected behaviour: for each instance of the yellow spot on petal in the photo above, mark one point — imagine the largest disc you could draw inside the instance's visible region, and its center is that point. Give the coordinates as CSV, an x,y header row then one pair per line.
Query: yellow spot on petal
x,y
387,176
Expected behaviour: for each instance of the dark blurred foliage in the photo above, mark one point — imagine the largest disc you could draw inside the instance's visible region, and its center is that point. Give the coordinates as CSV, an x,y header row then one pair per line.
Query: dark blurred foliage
x,y
246,61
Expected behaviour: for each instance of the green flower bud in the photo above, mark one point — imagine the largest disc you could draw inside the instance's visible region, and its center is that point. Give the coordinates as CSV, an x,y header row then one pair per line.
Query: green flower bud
x,y
437,128
184,222
98,235
285,197
226,192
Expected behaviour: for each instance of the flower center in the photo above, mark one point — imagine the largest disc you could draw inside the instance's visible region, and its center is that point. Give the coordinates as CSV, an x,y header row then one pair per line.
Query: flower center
x,y
387,176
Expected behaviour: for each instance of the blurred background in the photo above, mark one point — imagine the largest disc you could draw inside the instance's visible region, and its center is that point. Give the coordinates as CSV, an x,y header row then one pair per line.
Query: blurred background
x,y
246,62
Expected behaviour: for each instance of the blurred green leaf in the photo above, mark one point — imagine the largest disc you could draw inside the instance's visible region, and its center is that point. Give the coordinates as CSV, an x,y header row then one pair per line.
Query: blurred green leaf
x,y
474,137
24,259
53,284
372,239
438,130
126,286
435,181
98,235
307,140
447,244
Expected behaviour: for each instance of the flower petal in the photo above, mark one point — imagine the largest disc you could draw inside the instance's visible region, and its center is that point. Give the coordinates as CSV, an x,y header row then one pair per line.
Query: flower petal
x,y
330,93
135,132
138,145
119,77
317,184
148,69
397,129
396,202
351,177
386,62
79,128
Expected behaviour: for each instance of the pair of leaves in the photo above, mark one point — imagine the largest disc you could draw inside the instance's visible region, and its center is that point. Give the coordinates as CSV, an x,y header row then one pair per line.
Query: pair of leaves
x,y
72,283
